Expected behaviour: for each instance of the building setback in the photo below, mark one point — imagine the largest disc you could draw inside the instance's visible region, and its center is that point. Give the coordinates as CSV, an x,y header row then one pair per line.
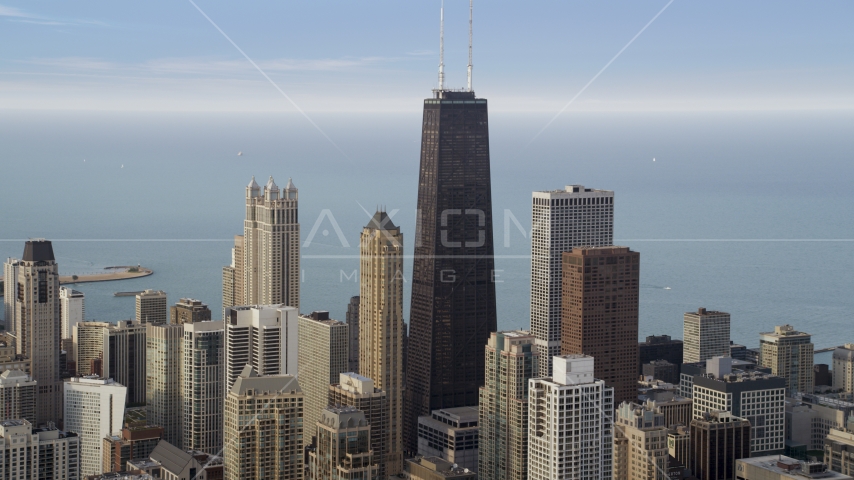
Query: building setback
x,y
203,386
706,335
450,434
333,459
453,275
562,220
359,392
600,313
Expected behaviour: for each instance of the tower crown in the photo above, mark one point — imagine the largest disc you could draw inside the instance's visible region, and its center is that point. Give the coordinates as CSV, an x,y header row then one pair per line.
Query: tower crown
x,y
253,189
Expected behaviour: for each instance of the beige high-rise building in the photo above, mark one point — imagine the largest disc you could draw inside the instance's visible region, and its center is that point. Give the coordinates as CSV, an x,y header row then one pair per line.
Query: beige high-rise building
x,y
705,335
151,307
359,392
381,322
189,310
17,396
33,316
334,459
789,354
203,384
265,260
322,358
843,368
163,380
119,348
640,442
511,360
263,427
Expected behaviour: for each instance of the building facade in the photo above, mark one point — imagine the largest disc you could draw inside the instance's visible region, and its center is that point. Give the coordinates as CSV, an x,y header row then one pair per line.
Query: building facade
x,y
132,443
585,421
789,354
600,313
119,348
660,347
33,316
640,442
562,220
357,391
28,453
18,392
189,310
152,307
352,319
512,359
323,354
843,368
334,459
72,309
838,449
163,388
203,385
781,467
264,336
381,323
706,335
94,408
453,308
451,434
263,427
718,439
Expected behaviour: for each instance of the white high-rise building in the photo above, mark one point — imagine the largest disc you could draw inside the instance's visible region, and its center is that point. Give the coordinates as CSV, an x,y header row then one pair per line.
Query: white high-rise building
x,y
42,453
72,308
203,383
94,408
570,423
561,219
263,336
705,335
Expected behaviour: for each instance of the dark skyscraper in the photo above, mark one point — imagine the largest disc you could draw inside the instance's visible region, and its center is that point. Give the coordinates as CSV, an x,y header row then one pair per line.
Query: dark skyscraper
x,y
453,291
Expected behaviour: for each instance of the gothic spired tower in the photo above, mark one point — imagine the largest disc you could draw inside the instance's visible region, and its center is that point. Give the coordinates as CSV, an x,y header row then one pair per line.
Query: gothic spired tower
x,y
453,290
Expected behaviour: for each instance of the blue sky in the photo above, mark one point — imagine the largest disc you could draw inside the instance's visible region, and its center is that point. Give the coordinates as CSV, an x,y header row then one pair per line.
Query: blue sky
x,y
381,56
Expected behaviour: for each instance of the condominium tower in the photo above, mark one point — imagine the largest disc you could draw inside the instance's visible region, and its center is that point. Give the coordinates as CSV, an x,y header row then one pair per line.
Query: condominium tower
x,y
264,336
93,409
381,323
119,347
203,385
600,313
265,260
453,275
789,354
72,309
359,392
28,453
585,422
334,459
163,380
511,360
189,310
263,427
323,357
640,442
705,335
33,316
17,396
151,307
843,368
561,219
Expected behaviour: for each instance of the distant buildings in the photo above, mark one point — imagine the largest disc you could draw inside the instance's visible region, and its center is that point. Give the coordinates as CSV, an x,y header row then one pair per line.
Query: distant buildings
x,y
380,323
640,442
706,335
265,260
163,387
41,453
332,458
659,347
189,310
323,355
511,361
32,307
584,422
843,368
780,467
357,391
264,336
718,439
600,313
93,409
72,309
203,385
789,354
151,307
263,427
809,418
119,348
561,220
18,392
450,434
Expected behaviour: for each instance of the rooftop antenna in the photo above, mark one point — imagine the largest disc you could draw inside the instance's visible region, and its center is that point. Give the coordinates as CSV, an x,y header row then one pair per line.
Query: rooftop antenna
x,y
442,46
471,10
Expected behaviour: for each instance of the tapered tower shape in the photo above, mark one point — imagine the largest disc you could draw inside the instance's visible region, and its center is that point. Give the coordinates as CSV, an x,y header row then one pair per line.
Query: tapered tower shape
x,y
453,290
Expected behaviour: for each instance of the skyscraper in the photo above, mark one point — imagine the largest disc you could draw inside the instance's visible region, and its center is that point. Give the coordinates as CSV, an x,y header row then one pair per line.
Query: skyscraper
x,y
359,392
28,453
706,335
561,219
789,354
352,319
163,379
265,261
718,439
189,310
32,315
381,323
322,359
843,368
264,336
453,276
93,409
17,396
511,360
585,422
600,313
120,349
333,458
640,442
151,307
203,385
72,309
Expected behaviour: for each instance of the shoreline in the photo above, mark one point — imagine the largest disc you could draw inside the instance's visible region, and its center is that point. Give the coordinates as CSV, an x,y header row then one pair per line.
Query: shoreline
x,y
117,273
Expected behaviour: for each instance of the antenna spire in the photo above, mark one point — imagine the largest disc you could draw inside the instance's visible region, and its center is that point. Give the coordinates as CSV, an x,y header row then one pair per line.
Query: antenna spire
x,y
471,11
442,46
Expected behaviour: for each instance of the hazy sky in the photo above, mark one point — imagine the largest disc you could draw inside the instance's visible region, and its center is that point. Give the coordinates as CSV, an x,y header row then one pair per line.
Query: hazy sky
x,y
382,55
